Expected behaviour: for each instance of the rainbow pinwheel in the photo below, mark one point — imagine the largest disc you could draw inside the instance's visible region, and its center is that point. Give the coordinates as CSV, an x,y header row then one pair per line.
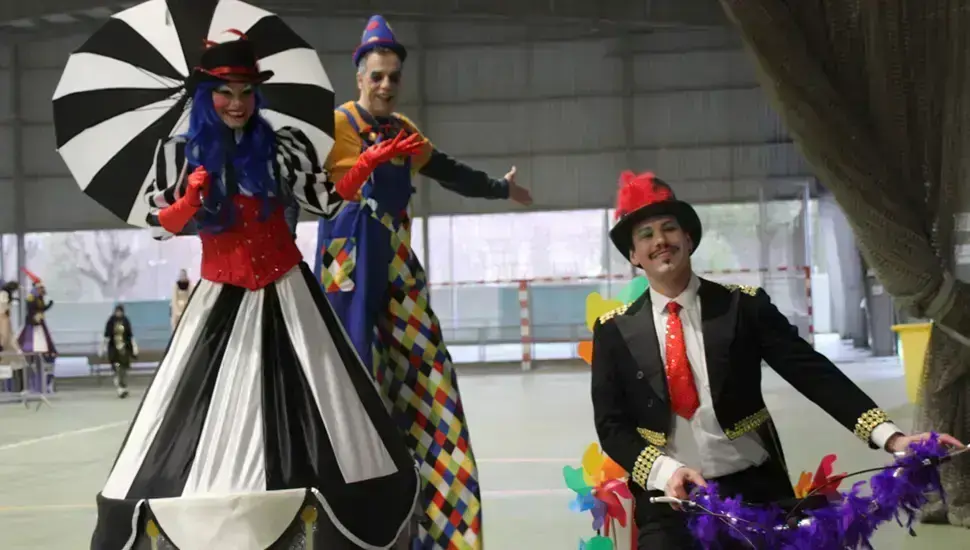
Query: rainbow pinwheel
x,y
596,543
599,485
823,483
596,306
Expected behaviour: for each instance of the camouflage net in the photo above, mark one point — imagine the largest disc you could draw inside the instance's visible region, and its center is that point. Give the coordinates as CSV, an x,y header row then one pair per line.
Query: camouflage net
x,y
877,98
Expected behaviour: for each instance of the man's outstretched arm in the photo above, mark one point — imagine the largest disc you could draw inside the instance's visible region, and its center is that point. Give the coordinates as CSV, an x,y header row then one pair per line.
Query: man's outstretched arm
x,y
460,178
453,174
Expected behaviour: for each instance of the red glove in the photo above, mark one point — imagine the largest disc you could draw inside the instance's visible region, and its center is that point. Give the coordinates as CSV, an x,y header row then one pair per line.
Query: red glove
x,y
374,156
174,217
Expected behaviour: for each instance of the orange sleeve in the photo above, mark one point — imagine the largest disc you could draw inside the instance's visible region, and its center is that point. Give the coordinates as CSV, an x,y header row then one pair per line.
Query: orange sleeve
x,y
419,160
346,147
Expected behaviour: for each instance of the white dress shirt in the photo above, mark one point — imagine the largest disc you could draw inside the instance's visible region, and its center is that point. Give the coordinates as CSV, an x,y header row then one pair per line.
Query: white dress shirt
x,y
700,443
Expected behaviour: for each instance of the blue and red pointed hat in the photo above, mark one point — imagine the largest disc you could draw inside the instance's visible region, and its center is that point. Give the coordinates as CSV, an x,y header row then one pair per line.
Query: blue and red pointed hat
x,y
378,34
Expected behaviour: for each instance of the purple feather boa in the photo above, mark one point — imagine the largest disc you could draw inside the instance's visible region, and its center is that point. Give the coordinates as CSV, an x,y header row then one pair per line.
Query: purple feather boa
x,y
897,492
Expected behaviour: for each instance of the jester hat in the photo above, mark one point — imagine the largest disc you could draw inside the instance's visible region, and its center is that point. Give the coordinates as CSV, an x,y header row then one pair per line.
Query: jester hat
x,y
34,279
378,34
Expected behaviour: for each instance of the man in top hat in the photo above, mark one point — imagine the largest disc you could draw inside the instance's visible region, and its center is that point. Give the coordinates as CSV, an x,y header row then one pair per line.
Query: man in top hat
x,y
676,383
35,338
379,288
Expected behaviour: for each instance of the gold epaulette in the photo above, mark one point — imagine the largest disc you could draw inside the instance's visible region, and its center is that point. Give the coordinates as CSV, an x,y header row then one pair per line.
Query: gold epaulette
x,y
613,313
30,298
747,289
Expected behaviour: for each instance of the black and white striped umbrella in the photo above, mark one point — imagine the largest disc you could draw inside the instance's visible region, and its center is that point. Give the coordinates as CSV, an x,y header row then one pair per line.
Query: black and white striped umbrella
x,y
123,91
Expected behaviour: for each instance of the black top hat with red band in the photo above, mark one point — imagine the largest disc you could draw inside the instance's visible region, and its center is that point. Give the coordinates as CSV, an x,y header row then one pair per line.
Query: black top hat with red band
x,y
644,196
233,61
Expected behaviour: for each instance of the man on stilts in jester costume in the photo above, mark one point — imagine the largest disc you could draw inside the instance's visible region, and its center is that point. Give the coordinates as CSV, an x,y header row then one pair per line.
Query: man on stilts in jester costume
x,y
379,289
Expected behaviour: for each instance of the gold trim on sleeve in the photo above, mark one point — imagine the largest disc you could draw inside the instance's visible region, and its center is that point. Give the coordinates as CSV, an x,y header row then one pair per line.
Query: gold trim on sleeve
x,y
747,424
868,422
654,438
643,465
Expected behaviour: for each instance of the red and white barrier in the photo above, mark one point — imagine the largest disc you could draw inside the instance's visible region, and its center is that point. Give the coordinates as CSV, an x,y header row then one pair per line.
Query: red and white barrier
x,y
764,278
722,275
808,299
525,321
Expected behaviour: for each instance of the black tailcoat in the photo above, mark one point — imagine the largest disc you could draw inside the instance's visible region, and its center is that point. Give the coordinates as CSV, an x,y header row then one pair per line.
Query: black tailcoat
x,y
741,327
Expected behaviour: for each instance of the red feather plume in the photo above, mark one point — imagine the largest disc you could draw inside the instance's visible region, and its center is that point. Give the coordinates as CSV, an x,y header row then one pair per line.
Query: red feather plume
x,y
33,278
210,43
639,190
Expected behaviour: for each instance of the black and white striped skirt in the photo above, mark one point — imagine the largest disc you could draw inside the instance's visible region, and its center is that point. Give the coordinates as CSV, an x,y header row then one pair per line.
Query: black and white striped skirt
x,y
261,429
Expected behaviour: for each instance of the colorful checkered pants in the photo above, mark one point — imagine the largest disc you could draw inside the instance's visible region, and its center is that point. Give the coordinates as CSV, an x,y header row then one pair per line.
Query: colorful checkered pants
x,y
414,370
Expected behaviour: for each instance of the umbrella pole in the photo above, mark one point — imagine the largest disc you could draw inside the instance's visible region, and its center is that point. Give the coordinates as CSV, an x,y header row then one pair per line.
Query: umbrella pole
x,y
185,168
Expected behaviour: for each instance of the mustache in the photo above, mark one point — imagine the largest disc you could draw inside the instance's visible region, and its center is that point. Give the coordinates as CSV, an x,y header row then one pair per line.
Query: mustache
x,y
670,248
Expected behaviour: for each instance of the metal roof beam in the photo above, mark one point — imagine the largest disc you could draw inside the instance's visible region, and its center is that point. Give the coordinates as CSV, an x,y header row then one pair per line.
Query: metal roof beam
x,y
655,13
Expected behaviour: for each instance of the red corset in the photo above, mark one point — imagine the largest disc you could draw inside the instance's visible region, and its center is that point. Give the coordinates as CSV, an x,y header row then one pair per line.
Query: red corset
x,y
252,253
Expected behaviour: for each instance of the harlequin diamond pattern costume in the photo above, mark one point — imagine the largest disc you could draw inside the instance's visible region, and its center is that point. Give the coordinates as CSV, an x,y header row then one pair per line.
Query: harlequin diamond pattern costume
x,y
379,289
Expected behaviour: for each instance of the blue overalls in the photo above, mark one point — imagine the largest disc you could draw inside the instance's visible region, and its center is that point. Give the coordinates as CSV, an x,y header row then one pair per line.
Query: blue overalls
x,y
379,289
356,247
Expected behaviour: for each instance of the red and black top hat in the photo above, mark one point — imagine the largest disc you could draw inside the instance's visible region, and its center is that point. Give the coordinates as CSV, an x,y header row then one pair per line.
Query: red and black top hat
x,y
232,61
643,196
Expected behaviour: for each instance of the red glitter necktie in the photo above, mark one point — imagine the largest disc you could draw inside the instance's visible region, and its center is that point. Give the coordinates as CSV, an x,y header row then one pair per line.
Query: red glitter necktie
x,y
680,379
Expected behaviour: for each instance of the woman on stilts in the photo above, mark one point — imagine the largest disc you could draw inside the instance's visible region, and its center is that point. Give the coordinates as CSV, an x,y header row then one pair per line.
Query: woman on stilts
x,y
261,429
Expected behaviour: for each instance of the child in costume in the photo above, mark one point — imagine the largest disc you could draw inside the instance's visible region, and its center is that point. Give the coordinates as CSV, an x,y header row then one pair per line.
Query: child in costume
x,y
261,429
120,347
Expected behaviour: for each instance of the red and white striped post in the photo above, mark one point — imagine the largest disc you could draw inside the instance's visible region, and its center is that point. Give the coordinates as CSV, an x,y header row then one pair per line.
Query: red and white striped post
x,y
525,325
808,304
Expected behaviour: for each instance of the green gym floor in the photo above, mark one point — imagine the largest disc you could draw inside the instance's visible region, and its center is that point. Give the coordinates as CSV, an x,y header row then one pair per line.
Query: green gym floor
x,y
525,428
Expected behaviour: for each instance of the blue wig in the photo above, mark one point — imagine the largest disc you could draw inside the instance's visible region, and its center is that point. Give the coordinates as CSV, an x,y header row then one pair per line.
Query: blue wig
x,y
211,144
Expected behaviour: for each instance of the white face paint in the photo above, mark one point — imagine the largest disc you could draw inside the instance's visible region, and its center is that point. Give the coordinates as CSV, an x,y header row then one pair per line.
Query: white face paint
x,y
378,80
235,103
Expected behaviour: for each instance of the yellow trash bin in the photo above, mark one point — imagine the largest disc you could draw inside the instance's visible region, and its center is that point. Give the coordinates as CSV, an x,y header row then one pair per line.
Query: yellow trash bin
x,y
913,340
